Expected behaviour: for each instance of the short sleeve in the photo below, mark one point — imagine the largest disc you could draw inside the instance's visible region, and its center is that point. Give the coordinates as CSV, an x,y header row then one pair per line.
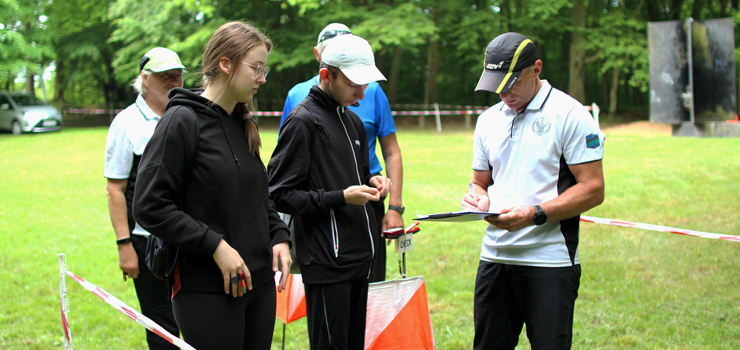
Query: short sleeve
x,y
480,155
119,154
583,142
383,115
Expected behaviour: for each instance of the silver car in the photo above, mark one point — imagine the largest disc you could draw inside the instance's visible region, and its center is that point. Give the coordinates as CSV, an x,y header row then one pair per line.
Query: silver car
x,y
21,112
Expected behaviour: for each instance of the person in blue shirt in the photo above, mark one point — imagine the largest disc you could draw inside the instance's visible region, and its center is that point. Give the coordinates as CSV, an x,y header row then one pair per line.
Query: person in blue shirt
x,y
375,113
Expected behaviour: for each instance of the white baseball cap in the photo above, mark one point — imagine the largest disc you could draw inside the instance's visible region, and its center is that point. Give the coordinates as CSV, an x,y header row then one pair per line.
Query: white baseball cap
x,y
160,59
354,57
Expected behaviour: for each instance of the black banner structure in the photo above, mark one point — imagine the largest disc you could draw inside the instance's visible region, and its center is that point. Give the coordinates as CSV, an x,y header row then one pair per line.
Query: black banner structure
x,y
692,74
669,72
713,54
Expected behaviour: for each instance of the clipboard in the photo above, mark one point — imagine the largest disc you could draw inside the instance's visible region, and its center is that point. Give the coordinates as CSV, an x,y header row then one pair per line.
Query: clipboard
x,y
457,216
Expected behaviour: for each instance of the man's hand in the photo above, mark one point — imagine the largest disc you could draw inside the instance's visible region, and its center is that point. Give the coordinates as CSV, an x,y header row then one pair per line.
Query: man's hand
x,y
383,184
513,219
477,203
281,251
359,195
128,261
392,219
231,264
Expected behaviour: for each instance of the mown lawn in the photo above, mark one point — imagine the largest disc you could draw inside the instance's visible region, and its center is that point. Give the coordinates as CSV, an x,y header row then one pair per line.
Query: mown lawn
x,y
639,289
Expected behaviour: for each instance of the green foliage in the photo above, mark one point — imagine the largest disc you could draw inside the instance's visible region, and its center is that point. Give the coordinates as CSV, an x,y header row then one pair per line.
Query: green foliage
x,y
627,51
97,44
142,25
24,38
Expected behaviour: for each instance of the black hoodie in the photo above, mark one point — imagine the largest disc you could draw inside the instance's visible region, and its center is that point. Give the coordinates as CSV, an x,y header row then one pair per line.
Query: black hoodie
x,y
198,183
322,150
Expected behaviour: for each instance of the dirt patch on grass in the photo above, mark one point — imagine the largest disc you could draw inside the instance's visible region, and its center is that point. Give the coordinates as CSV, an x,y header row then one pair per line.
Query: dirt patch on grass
x,y
640,127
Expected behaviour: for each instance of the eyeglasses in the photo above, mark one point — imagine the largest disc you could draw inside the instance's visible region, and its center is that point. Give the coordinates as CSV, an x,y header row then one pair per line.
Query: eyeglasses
x,y
170,74
259,70
332,33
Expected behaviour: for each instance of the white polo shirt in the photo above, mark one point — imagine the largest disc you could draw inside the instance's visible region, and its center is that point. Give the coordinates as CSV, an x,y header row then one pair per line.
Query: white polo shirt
x,y
128,135
528,155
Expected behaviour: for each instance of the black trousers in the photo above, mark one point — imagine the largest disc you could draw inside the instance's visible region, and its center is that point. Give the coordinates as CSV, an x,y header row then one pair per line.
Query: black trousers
x,y
154,299
509,296
377,272
219,321
336,315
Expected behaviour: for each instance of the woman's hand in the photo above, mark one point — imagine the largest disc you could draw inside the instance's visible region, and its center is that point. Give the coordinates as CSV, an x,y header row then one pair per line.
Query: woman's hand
x,y
281,251
231,264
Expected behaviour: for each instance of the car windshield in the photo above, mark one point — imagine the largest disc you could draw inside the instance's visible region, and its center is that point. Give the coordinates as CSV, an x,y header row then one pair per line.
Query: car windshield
x,y
28,100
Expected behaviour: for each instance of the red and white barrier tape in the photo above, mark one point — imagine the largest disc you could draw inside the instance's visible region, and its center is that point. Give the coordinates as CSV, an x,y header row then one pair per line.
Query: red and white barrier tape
x,y
91,111
65,326
420,106
266,114
128,311
650,227
460,112
449,110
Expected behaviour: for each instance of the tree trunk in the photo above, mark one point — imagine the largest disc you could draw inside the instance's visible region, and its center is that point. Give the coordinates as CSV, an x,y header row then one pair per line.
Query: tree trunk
x,y
395,73
614,92
30,78
60,80
577,72
430,95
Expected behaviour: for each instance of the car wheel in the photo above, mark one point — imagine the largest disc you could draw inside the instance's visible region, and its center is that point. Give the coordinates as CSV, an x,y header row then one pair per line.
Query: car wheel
x,y
15,128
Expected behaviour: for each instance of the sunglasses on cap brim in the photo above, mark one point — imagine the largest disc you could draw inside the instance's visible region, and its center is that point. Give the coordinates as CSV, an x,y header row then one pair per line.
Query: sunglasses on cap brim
x,y
332,33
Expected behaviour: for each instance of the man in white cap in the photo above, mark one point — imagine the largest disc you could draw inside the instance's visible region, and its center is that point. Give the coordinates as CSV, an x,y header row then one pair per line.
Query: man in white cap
x,y
537,161
160,70
375,113
319,173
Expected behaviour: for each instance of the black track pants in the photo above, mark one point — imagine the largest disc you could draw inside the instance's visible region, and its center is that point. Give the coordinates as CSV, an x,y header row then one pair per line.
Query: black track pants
x,y
219,321
509,296
336,315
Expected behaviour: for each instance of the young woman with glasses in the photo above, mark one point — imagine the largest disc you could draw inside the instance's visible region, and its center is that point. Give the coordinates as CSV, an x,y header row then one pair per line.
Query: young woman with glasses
x,y
203,187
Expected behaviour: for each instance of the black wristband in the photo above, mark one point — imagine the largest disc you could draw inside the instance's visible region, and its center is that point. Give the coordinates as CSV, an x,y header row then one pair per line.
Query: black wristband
x,y
400,209
123,240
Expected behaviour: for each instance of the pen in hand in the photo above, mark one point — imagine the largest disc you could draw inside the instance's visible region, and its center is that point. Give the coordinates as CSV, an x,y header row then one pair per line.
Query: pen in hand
x,y
470,186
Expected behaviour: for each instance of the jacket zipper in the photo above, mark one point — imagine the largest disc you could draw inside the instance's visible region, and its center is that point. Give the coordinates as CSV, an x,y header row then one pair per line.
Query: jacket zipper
x,y
334,233
359,180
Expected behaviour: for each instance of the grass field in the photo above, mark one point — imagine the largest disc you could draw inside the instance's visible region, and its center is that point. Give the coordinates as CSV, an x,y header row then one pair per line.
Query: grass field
x,y
639,289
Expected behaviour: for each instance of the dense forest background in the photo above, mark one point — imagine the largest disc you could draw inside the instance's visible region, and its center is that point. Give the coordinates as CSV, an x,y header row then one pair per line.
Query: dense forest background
x,y
430,50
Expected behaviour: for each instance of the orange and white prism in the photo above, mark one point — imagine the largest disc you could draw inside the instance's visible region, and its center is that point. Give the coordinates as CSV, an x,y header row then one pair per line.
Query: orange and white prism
x,y
291,302
398,316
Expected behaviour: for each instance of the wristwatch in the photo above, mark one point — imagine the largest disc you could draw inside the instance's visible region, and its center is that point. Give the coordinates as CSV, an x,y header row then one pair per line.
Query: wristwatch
x,y
400,209
539,215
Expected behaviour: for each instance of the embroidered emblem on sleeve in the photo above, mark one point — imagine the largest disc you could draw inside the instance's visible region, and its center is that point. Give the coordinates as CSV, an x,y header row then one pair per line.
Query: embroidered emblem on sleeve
x,y
592,141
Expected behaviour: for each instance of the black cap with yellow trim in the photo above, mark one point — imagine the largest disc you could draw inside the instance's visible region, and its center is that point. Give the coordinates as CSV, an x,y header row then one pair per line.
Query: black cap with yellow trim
x,y
506,56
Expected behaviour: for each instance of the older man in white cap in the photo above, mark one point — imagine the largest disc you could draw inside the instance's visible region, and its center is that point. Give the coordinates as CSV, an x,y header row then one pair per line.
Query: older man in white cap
x,y
319,173
160,70
375,113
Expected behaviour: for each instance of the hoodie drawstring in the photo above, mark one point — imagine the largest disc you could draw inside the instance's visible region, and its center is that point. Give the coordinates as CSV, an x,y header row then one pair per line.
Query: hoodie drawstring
x,y
221,118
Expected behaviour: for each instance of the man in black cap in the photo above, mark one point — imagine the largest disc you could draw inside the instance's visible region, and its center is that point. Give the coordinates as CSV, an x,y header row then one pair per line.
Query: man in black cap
x,y
536,161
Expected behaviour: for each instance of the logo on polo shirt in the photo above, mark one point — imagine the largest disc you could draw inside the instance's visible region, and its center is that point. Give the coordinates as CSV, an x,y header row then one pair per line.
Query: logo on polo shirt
x,y
541,126
592,141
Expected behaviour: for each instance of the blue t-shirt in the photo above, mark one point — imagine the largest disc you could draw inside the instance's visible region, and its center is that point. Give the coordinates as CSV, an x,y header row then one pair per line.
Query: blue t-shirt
x,y
374,111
